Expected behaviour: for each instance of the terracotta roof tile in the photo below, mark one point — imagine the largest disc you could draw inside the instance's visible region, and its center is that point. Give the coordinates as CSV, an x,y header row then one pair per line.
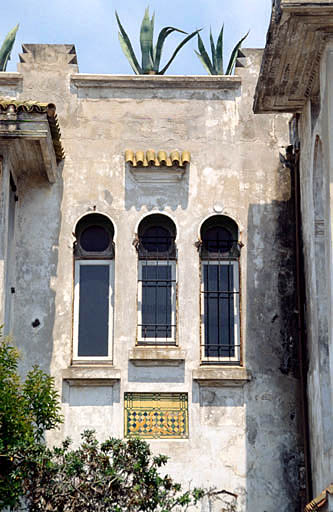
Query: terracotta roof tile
x,y
150,158
16,106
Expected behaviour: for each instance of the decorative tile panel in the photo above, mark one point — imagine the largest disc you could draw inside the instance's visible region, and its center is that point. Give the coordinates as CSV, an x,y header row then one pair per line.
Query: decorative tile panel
x,y
156,415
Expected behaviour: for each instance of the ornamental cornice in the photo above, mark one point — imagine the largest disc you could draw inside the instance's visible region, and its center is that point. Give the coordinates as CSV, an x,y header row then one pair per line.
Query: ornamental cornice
x,y
296,40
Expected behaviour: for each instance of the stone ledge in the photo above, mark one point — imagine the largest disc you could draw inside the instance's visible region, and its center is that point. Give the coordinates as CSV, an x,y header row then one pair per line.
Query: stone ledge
x,y
7,78
91,376
156,356
229,376
157,81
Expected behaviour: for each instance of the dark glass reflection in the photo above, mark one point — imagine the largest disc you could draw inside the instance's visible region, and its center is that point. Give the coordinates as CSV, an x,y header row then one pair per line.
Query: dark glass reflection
x,y
217,240
94,310
95,239
219,310
156,301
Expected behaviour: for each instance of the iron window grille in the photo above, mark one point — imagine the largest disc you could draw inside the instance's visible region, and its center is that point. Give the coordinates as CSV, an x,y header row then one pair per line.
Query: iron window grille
x,y
220,324
156,285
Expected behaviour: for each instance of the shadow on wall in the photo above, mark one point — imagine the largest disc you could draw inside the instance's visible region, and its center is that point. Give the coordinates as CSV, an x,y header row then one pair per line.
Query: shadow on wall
x,y
160,190
37,241
274,479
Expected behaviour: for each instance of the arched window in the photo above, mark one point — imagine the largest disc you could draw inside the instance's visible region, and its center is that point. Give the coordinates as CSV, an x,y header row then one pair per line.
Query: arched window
x,y
93,294
157,280
219,254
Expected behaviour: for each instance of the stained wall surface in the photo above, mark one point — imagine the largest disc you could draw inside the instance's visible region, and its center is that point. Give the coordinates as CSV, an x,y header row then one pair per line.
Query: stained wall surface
x,y
242,438
315,135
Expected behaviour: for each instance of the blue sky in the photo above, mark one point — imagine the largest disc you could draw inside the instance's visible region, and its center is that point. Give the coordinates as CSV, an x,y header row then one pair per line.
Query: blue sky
x,y
91,26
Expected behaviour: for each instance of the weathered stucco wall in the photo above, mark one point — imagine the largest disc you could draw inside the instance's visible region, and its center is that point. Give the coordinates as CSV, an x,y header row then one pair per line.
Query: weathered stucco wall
x,y
315,134
244,439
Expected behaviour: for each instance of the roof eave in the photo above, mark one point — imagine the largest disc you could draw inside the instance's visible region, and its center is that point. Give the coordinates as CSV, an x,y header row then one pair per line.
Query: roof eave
x,y
296,38
24,122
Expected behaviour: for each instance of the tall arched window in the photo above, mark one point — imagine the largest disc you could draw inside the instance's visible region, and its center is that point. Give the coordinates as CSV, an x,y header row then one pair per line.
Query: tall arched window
x,y
219,254
157,280
93,294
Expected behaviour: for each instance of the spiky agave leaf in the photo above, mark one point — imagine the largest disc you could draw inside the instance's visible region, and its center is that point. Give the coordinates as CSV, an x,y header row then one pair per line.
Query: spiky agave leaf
x,y
146,42
164,33
212,46
202,60
179,47
219,53
152,39
204,57
127,54
127,48
7,47
234,55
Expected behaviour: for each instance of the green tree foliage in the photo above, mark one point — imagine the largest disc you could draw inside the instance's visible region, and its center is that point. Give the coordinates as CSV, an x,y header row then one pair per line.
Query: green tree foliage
x,y
7,47
27,410
214,66
151,55
114,476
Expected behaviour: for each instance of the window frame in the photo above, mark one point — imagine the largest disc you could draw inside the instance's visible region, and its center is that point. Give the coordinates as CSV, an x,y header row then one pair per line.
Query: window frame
x,y
172,340
76,309
236,359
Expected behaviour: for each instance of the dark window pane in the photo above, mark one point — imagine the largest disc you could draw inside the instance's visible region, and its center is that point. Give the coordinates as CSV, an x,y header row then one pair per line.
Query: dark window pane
x,y
156,239
219,310
95,239
217,240
94,310
156,301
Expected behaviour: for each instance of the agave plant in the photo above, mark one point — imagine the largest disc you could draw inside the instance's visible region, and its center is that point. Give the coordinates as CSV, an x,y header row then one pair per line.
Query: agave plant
x,y
7,47
151,56
214,66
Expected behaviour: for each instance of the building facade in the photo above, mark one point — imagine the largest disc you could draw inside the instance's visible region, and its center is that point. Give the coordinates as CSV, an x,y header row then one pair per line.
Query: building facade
x,y
147,263
296,77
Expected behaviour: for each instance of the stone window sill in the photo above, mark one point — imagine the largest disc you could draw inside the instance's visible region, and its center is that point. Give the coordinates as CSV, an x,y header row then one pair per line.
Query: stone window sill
x,y
229,376
156,356
91,376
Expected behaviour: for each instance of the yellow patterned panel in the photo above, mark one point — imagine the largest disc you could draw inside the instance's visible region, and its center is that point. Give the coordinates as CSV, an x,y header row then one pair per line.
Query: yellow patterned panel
x,y
156,415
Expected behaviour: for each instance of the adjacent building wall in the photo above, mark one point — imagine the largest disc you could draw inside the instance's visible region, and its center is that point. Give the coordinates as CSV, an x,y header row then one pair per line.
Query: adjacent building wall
x,y
244,439
315,135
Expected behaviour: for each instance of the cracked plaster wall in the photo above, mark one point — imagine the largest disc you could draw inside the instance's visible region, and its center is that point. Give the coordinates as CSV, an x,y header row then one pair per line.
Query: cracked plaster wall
x,y
245,439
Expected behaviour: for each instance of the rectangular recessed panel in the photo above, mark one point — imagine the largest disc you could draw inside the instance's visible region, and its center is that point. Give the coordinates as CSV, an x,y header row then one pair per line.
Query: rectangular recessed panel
x,y
156,415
